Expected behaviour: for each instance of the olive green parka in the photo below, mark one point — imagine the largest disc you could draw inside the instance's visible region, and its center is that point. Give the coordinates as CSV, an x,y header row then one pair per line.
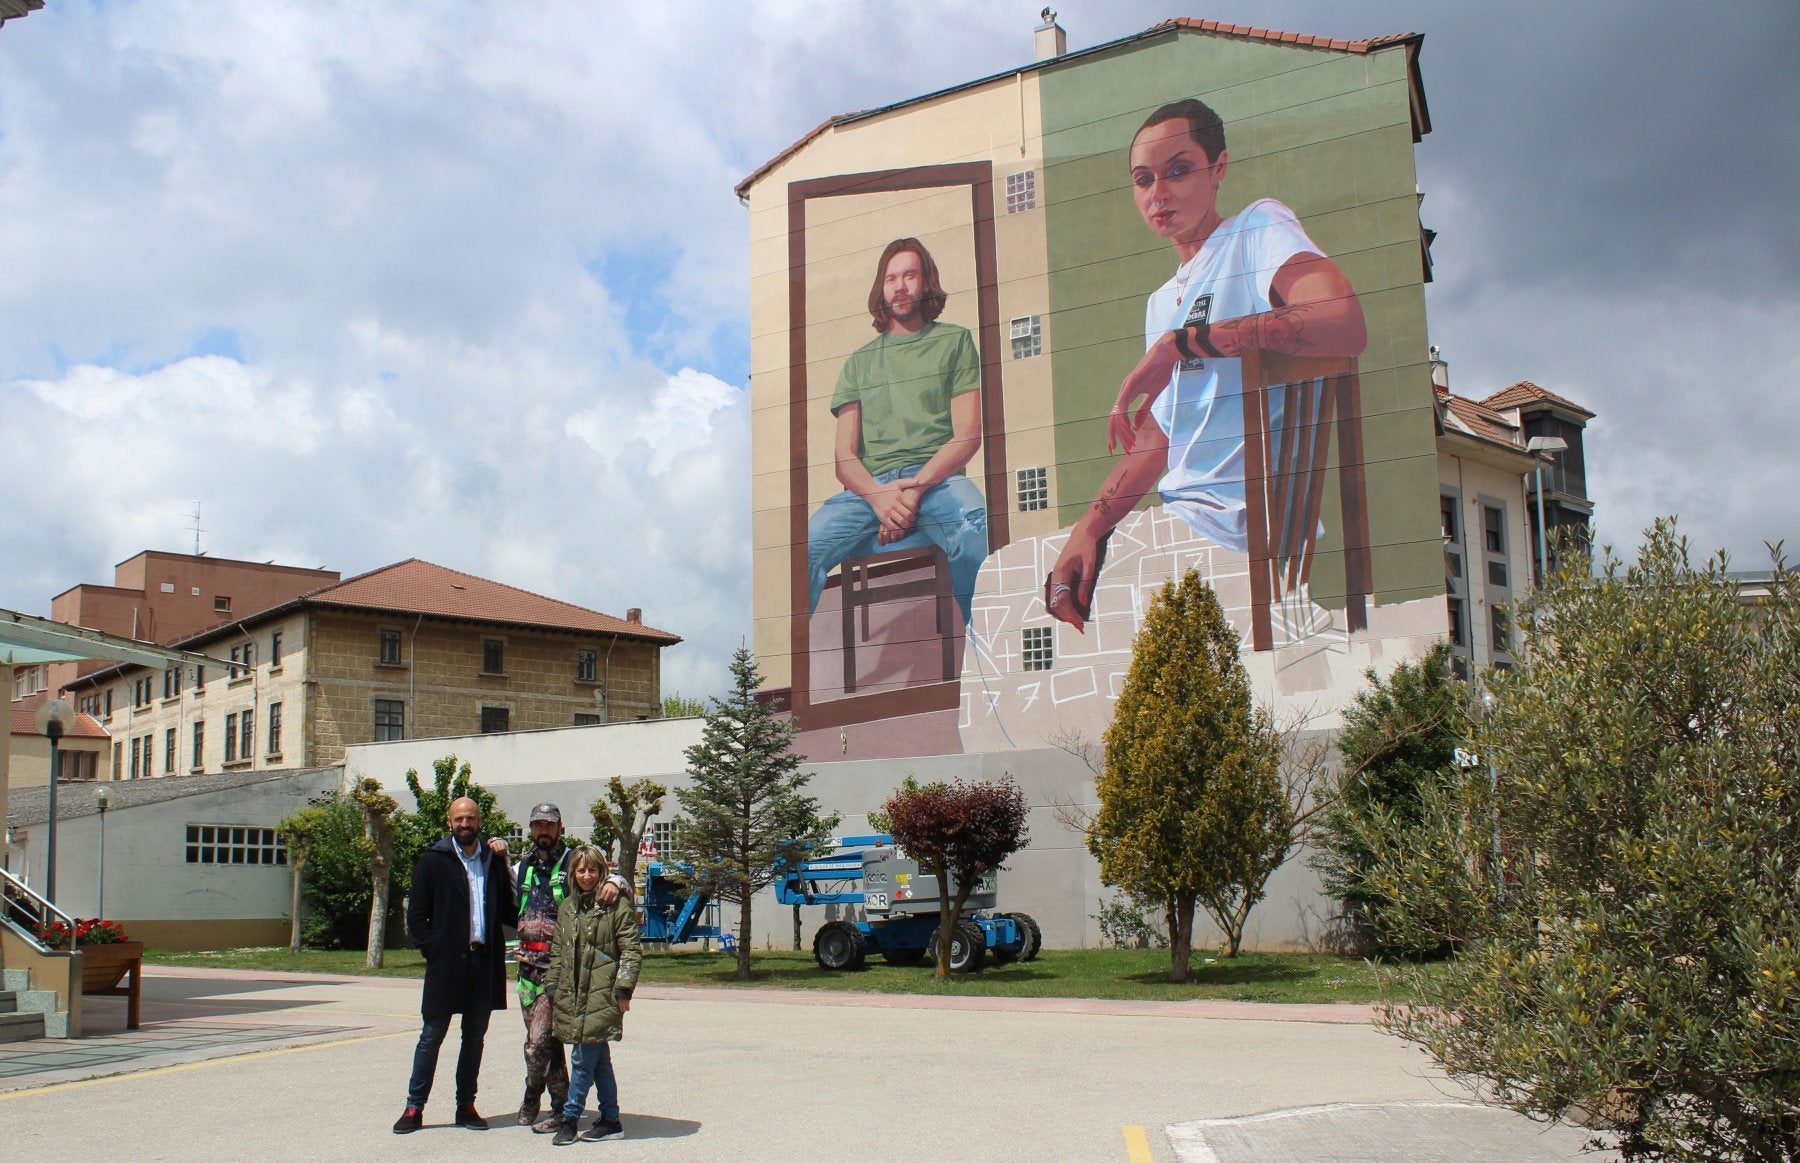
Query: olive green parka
x,y
594,962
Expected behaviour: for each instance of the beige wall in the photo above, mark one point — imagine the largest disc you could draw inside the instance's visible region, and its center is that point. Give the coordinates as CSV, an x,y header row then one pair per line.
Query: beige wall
x,y
440,674
31,758
330,676
999,123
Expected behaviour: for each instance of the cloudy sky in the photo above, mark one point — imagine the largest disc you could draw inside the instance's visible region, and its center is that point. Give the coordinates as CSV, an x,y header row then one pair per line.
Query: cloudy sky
x,y
468,282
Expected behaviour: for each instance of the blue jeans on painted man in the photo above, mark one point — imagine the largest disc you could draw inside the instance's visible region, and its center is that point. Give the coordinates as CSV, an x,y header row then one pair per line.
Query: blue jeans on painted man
x,y
952,516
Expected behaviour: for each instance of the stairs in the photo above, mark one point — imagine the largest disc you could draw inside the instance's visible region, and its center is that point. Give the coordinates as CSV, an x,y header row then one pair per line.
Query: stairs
x,y
23,1012
14,1025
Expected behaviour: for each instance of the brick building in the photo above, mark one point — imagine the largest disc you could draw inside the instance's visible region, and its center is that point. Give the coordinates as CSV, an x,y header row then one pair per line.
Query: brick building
x,y
411,650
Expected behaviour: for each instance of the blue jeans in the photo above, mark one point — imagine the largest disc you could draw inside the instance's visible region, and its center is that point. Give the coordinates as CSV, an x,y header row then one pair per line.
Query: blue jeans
x,y
468,1061
952,516
590,1064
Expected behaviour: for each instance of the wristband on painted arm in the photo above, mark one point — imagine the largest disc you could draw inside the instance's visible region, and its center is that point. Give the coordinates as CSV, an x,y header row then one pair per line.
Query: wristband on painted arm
x,y
1200,335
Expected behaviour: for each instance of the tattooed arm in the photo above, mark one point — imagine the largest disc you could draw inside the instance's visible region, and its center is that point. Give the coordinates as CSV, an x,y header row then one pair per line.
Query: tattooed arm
x,y
1071,583
1315,312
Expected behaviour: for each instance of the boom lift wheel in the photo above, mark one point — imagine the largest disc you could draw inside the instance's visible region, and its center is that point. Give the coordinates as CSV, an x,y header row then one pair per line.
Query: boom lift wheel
x,y
838,945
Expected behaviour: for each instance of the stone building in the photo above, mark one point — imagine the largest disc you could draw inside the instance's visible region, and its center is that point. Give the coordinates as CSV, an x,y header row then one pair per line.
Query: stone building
x,y
411,650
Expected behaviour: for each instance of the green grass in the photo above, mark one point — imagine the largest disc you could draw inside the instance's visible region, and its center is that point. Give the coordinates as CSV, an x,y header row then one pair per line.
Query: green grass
x,y
1128,974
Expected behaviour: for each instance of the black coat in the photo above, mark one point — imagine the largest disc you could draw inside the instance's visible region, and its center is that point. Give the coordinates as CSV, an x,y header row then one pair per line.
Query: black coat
x,y
437,917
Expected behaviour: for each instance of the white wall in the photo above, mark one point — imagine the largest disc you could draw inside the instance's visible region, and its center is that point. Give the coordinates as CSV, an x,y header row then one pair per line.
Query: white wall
x,y
1054,879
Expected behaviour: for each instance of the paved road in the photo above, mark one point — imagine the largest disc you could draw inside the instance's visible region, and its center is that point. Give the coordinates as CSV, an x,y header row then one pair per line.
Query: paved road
x,y
233,1066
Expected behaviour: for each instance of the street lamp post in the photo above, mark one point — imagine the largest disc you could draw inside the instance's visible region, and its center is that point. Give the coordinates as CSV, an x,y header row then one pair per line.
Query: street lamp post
x,y
1488,703
1540,447
54,718
102,801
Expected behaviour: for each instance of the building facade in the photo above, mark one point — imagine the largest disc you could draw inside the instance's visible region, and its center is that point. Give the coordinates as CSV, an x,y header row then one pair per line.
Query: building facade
x,y
1296,470
407,651
1182,275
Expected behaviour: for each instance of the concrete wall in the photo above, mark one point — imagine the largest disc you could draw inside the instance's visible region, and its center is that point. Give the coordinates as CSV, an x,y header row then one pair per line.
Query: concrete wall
x,y
1054,879
151,889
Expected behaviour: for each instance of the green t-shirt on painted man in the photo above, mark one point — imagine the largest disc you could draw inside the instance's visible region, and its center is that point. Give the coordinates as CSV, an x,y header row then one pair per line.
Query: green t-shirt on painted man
x,y
905,384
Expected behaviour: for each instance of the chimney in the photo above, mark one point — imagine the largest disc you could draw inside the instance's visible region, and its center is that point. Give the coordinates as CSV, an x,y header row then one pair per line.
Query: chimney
x,y
1440,373
635,616
1052,41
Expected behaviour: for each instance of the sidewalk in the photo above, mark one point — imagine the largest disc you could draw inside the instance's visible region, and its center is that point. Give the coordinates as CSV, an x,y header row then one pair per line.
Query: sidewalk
x,y
306,1067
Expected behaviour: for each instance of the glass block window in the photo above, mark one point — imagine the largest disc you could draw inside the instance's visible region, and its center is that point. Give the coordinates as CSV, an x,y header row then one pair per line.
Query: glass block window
x,y
663,834
1040,647
234,844
1034,489
1021,191
1027,336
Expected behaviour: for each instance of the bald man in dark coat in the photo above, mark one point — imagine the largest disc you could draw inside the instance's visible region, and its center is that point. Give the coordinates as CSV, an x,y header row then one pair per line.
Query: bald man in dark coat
x,y
462,892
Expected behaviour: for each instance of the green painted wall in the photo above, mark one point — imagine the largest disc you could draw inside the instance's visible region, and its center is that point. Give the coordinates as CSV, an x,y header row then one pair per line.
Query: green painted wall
x,y
1328,134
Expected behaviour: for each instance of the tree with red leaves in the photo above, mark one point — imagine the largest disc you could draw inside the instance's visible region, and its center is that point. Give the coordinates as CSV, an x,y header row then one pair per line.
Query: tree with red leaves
x,y
959,833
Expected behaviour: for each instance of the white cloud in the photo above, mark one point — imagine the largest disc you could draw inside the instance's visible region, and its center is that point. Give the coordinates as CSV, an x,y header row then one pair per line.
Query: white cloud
x,y
371,283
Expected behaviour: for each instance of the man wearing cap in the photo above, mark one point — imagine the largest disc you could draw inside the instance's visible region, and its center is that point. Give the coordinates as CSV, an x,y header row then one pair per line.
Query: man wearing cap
x,y
542,881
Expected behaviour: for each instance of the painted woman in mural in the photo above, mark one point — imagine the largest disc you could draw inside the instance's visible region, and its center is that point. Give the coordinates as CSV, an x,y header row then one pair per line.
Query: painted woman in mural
x,y
1250,281
908,411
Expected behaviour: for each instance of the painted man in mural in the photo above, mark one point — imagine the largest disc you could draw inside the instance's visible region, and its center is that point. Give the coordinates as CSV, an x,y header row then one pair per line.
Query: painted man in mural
x,y
908,409
1251,281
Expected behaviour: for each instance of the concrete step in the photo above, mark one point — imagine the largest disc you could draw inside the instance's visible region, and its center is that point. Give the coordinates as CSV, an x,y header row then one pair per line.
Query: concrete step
x,y
9,1002
21,1027
17,980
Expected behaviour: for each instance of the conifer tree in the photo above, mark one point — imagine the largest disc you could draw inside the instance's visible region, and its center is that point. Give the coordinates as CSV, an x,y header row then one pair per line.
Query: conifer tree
x,y
744,802
1190,794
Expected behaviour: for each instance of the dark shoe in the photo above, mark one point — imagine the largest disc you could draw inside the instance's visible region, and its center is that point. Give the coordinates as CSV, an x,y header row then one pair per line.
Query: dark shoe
x,y
466,1117
409,1121
553,1123
528,1112
565,1133
602,1131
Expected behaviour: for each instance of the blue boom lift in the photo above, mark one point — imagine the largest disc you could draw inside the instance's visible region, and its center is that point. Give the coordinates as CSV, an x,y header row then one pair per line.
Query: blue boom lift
x,y
673,912
899,906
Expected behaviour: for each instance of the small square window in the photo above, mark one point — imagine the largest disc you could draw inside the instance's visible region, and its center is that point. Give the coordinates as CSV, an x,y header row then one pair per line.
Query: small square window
x,y
493,656
1497,573
1027,336
221,605
1034,489
1040,647
1021,191
494,720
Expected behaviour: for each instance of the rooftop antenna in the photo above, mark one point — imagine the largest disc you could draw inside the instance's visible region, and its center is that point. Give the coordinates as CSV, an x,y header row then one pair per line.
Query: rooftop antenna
x,y
197,530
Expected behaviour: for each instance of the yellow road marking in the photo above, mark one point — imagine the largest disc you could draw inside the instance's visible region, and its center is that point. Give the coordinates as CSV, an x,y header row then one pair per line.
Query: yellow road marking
x,y
179,1067
1137,1145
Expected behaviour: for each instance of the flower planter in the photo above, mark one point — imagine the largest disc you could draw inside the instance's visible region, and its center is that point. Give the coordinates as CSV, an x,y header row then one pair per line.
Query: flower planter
x,y
104,966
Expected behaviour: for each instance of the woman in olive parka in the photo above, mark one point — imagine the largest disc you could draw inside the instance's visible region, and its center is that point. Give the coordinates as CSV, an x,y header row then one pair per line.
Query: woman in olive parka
x,y
594,962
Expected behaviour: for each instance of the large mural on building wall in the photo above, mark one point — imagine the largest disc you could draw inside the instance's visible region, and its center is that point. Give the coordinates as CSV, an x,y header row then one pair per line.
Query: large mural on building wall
x,y
1197,324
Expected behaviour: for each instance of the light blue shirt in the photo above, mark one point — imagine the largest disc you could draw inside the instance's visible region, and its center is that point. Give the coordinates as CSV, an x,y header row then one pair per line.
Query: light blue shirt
x,y
476,868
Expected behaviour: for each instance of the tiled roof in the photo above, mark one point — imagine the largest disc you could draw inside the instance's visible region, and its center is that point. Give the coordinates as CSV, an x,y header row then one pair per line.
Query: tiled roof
x,y
24,722
27,806
1526,392
1246,32
420,587
1480,420
1180,23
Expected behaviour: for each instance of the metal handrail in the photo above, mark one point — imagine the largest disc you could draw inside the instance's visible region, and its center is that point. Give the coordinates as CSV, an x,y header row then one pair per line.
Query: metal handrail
x,y
15,893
